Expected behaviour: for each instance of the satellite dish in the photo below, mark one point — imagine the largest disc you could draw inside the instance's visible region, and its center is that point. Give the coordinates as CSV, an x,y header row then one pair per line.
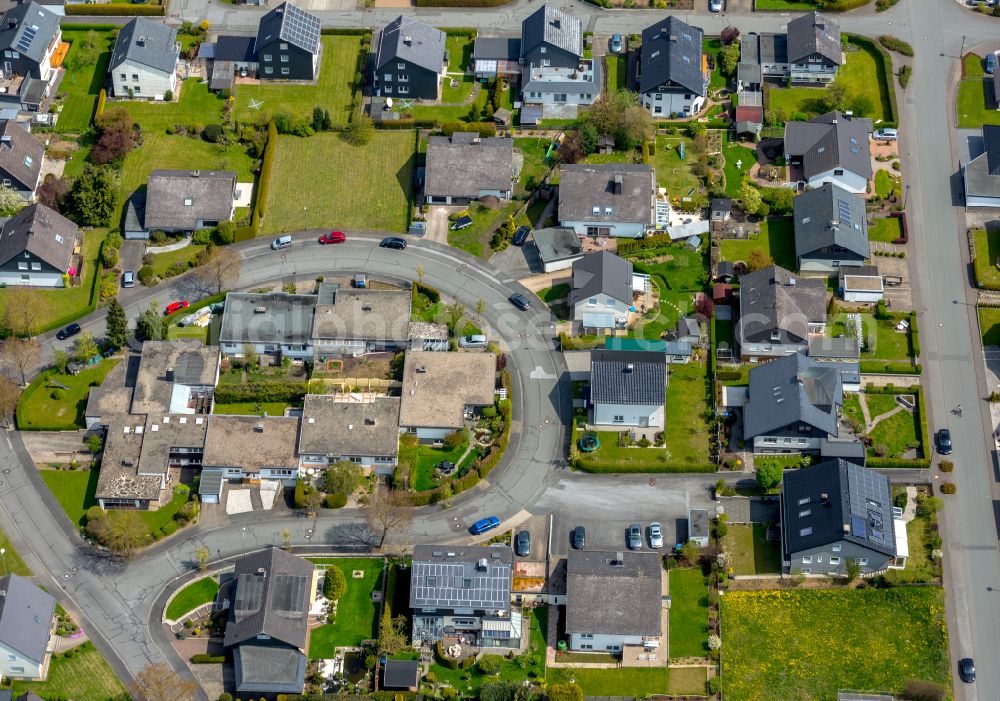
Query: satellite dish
x,y
388,102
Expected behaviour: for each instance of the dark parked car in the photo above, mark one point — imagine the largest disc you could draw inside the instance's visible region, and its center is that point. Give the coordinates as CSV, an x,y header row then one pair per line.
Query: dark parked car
x,y
461,223
520,301
71,330
522,545
967,670
944,441
991,63
579,537
635,537
393,242
521,235
484,524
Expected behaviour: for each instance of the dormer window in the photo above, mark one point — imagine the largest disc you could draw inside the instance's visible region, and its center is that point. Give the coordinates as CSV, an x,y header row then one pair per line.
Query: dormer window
x,y
28,160
596,211
188,201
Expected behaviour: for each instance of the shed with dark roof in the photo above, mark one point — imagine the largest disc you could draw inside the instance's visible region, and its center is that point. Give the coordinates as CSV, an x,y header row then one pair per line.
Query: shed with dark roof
x,y
558,247
401,674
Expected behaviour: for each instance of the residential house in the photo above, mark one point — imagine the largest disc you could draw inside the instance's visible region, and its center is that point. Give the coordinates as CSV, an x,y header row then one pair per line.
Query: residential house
x,y
176,377
554,71
268,598
608,199
773,55
229,56
113,399
272,323
601,294
21,156
410,60
27,622
699,527
793,403
36,248
830,148
351,321
464,167
628,388
361,428
559,248
614,602
496,57
675,352
441,390
8,695
748,70
862,284
831,229
29,38
814,50
981,175
401,675
463,590
181,200
144,60
288,44
672,73
778,313
836,512
239,448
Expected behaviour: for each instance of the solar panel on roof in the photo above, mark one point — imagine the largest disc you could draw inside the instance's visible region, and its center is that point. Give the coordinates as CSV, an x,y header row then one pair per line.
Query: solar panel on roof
x,y
24,43
844,208
857,527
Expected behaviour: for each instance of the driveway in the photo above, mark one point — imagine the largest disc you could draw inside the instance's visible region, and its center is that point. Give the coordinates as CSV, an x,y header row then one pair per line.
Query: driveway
x,y
518,261
130,255
437,222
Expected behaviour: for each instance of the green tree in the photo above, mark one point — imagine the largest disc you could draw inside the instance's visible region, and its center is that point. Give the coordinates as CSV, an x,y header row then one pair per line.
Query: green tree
x,y
853,569
757,260
343,476
750,199
317,118
201,554
85,347
690,552
109,256
334,583
490,664
117,325
149,324
91,199
94,443
565,692
392,635
862,106
121,532
768,473
588,137
249,356
729,58
10,201
361,129
60,359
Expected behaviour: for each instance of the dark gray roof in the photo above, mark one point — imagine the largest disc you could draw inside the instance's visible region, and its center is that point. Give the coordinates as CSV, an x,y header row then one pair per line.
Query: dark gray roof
x,y
750,47
721,204
338,428
629,190
271,317
271,597
401,674
41,231
531,114
601,273
982,173
408,39
497,48
628,377
235,48
463,164
449,576
28,28
292,24
671,52
269,669
748,72
148,43
814,33
832,140
773,48
557,243
773,299
605,597
168,192
20,153
25,616
551,26
837,500
791,390
830,216
848,448
223,74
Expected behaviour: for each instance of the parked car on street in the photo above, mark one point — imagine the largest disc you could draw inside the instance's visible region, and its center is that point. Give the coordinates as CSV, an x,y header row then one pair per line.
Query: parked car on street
x,y
281,242
176,307
944,441
520,301
967,670
484,524
333,237
635,537
887,134
655,535
71,330
616,43
393,242
522,544
579,537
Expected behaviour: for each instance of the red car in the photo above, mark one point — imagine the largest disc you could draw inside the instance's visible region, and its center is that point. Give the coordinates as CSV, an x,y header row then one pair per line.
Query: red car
x,y
175,307
333,237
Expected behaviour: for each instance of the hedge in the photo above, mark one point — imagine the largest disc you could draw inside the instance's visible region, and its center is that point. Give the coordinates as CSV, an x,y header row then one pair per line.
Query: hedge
x,y
266,167
884,72
905,73
728,375
444,659
618,469
429,292
344,31
337,500
895,44
203,658
918,464
114,10
843,5
261,392
461,32
484,129
914,335
102,98
626,246
925,436
882,367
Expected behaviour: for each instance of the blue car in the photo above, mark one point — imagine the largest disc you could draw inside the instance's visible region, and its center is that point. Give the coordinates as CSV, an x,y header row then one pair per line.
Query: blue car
x,y
616,43
484,524
991,63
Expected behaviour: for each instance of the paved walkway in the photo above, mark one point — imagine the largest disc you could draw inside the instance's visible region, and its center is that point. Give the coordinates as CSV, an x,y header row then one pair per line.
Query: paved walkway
x,y
871,423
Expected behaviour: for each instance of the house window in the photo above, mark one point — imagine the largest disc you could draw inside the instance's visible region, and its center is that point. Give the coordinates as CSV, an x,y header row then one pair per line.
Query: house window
x,y
136,90
838,171
59,239
6,181
284,58
284,71
862,561
608,211
834,560
608,302
803,500
188,201
657,109
807,559
388,77
11,657
836,548
22,266
586,647
17,670
36,266
124,76
618,419
806,531
284,47
541,50
135,76
25,278
804,513
403,89
687,96
592,302
587,636
28,160
595,211
266,57
268,70
403,78
400,66
819,558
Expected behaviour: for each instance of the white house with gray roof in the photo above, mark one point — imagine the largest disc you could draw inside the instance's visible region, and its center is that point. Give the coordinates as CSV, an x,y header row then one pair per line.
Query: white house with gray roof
x,y
814,49
831,229
981,175
601,292
410,60
832,148
628,388
607,199
779,313
27,621
463,167
272,323
36,247
144,60
554,71
361,428
672,78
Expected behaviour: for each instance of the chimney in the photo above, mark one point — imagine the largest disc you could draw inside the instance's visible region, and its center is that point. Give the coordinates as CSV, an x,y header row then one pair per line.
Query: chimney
x,y
170,374
408,41
11,24
629,367
195,173
791,282
557,23
261,572
618,184
141,41
849,114
5,142
483,564
259,428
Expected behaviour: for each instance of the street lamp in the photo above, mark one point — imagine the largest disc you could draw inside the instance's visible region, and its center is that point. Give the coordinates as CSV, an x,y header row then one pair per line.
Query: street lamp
x,y
906,196
962,52
3,554
243,534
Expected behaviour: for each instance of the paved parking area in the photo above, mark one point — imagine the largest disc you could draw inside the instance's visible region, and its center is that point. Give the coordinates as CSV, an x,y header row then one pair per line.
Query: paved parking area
x,y
899,298
130,255
538,529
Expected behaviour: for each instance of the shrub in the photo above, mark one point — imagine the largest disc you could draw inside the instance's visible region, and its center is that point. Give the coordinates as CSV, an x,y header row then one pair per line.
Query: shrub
x,y
168,528
443,658
95,513
201,237
203,658
905,73
146,275
895,44
115,10
266,168
490,664
102,99
334,584
213,133
948,488
225,696
337,500
920,690
225,233
946,466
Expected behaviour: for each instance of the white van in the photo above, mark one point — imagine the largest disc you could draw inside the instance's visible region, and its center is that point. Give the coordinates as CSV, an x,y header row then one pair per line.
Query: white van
x,y
281,242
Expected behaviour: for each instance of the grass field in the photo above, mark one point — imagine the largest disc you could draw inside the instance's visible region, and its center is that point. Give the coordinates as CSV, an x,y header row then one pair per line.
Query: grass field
x,y
752,553
638,682
713,47
882,341
162,262
616,66
82,85
785,5
987,247
886,229
688,613
919,565
459,52
192,596
735,154
671,172
252,408
989,324
973,101
686,404
85,676
365,187
195,105
12,559
679,274
805,644
777,240
426,459
333,90
898,433
355,610
38,410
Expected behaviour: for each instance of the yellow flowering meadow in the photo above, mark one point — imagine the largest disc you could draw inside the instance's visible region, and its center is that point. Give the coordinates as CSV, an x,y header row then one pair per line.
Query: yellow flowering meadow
x,y
804,645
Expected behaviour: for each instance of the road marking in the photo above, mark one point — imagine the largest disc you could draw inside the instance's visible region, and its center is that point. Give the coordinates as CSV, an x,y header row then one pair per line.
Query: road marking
x,y
539,374
978,547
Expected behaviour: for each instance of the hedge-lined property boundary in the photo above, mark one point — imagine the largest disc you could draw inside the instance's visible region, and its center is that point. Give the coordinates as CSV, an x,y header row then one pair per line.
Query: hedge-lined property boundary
x,y
884,71
115,10
925,441
245,233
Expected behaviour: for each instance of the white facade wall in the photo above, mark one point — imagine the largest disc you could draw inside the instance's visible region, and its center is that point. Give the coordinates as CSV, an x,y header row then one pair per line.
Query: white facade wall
x,y
601,303
783,444
982,201
825,265
585,96
299,352
664,104
632,230
641,416
566,264
34,278
430,435
812,73
774,69
770,350
852,182
14,665
599,642
368,462
862,296
147,83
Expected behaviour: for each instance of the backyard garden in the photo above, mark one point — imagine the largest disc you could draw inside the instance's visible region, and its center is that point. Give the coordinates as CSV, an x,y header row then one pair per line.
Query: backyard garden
x,y
974,105
776,241
986,243
356,611
56,401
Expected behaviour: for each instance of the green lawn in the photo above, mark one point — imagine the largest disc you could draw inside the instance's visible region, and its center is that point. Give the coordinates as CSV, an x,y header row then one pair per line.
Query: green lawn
x,y
333,91
752,552
459,52
688,680
366,187
785,5
987,252
82,85
86,675
886,229
688,613
616,66
879,404
422,473
471,112
856,75
356,619
713,47
673,173
898,433
12,561
777,239
162,262
989,324
534,168
554,293
920,567
459,93
192,596
882,341
197,332
852,407
806,644
635,681
736,154
485,221
39,410
687,402
679,274
195,105
974,106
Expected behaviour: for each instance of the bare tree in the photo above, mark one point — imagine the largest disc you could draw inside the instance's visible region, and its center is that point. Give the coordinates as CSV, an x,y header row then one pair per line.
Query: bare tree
x,y
22,354
222,269
9,394
22,310
387,511
122,532
159,682
202,554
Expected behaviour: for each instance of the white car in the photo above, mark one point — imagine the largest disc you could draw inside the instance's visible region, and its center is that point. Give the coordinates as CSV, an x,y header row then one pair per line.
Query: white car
x,y
715,5
655,536
887,134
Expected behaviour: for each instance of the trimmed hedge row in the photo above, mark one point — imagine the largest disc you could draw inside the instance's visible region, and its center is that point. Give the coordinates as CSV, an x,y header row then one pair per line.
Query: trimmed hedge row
x,y
896,44
102,99
884,71
461,3
914,335
881,367
203,658
925,436
115,10
843,5
266,167
261,392
618,469
919,463
461,32
344,31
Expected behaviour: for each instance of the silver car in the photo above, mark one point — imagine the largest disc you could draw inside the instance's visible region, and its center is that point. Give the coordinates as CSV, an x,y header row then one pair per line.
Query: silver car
x,y
655,535
476,340
635,537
